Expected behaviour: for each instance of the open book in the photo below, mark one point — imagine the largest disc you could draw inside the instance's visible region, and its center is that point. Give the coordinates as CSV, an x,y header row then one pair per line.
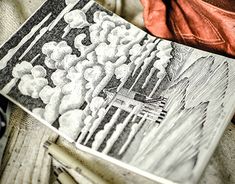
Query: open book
x,y
152,106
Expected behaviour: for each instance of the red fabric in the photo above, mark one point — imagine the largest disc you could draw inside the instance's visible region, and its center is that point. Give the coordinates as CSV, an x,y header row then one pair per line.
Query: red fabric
x,y
192,22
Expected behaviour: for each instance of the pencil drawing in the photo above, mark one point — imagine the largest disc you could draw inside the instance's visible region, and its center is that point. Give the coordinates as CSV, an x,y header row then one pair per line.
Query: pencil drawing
x,y
148,102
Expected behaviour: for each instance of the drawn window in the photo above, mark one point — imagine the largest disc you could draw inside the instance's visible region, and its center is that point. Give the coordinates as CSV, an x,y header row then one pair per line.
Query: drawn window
x,y
121,102
131,106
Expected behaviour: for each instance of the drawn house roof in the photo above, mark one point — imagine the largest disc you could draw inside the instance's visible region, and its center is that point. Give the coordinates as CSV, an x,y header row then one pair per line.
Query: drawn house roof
x,y
127,100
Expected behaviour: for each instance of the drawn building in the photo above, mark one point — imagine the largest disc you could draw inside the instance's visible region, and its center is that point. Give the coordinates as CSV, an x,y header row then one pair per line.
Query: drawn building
x,y
128,100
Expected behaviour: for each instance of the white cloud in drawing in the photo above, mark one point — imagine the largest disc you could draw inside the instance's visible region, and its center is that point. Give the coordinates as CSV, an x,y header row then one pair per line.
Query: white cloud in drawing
x,y
60,51
136,50
49,62
21,69
59,78
93,76
55,53
48,48
39,112
69,61
164,53
38,71
81,75
67,2
122,71
113,37
65,96
100,31
46,93
74,74
75,77
164,56
105,52
31,86
96,104
73,100
109,71
118,34
74,90
92,57
78,44
100,16
31,78
75,19
71,123
52,108
108,29
112,40
81,66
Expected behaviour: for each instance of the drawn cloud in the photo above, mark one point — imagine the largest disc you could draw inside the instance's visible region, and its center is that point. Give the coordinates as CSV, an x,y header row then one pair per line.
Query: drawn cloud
x,y
55,53
71,123
32,79
74,19
21,69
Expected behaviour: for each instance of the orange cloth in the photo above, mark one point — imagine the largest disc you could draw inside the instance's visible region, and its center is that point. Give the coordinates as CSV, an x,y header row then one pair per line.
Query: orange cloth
x,y
192,22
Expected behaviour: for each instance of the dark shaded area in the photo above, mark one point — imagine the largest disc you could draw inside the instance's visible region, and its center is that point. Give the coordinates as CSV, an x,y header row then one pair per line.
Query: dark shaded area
x,y
27,101
54,6
93,9
56,124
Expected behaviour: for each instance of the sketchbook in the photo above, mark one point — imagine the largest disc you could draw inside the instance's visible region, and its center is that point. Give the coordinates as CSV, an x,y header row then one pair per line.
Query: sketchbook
x,y
149,105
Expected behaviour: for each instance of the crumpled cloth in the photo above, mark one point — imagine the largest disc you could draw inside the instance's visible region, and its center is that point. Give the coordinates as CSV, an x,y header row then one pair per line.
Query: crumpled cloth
x,y
13,13
207,25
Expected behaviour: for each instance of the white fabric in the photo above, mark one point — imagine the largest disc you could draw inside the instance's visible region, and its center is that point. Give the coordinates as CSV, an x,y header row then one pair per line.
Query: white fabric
x,y
13,13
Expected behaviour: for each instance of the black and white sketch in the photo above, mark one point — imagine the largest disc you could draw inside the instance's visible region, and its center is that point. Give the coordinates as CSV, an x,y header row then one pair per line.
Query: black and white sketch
x,y
156,105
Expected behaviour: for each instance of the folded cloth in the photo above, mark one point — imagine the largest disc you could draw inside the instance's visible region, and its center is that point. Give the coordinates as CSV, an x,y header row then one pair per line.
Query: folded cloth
x,y
208,24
